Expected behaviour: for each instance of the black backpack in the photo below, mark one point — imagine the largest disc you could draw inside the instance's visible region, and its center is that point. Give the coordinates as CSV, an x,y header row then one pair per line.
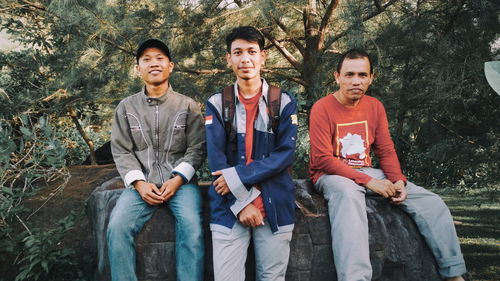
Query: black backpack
x,y
229,107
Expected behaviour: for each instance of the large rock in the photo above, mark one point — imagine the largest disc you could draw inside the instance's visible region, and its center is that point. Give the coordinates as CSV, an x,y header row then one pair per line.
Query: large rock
x,y
397,250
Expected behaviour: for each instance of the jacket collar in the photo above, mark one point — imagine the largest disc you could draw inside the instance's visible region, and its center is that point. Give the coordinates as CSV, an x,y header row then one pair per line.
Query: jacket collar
x,y
156,100
265,91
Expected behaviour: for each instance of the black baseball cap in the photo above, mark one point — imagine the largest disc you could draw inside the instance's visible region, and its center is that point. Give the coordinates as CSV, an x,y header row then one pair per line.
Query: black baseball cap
x,y
152,43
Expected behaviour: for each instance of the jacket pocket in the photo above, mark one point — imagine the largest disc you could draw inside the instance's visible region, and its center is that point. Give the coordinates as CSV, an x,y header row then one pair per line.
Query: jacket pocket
x,y
178,133
139,138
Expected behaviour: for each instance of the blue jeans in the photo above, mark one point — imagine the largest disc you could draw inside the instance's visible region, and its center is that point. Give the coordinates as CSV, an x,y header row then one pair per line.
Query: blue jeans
x,y
129,216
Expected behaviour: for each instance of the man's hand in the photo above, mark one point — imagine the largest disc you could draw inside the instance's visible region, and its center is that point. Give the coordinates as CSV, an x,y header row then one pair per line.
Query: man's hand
x,y
220,183
383,187
251,216
149,192
401,193
170,187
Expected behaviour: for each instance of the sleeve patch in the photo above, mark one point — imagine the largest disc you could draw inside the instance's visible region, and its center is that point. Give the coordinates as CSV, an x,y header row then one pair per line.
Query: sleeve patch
x,y
208,119
294,119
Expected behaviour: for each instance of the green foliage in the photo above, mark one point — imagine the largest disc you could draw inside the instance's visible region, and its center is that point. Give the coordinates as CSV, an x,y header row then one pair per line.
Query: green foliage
x,y
43,258
301,163
203,173
31,156
442,166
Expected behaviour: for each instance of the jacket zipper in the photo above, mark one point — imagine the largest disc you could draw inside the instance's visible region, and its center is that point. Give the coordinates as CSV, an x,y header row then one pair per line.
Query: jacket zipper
x,y
157,132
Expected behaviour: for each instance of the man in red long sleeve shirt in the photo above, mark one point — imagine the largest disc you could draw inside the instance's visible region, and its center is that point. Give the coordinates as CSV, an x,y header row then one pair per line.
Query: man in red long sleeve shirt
x,y
343,127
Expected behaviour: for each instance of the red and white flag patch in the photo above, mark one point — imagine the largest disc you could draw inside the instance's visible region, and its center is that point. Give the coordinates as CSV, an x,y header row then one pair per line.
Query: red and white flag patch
x,y
208,119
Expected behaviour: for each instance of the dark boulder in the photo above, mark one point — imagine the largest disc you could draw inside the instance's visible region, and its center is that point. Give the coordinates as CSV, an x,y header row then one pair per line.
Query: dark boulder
x,y
103,155
397,250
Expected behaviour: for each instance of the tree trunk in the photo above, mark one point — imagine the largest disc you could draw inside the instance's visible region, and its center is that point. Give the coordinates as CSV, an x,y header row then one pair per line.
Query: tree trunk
x,y
88,141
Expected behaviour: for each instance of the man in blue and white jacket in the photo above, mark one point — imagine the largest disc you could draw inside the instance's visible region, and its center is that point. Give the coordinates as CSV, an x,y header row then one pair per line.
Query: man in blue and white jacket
x,y
253,193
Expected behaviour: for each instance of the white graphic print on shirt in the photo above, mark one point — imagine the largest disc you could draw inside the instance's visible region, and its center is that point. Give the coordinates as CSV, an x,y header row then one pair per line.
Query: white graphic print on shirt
x,y
352,143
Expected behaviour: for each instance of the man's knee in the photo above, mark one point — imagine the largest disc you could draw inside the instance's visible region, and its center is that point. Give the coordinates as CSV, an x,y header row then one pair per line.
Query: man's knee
x,y
425,196
117,228
340,187
191,225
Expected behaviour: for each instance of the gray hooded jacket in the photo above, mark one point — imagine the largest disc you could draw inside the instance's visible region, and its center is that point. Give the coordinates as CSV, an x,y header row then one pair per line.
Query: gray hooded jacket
x,y
153,138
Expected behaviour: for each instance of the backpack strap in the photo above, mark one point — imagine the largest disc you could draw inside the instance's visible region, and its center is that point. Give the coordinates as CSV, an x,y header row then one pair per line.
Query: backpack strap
x,y
274,106
228,109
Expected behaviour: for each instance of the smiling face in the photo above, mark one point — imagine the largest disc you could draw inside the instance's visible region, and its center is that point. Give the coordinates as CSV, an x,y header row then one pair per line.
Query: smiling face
x,y
154,67
246,59
354,79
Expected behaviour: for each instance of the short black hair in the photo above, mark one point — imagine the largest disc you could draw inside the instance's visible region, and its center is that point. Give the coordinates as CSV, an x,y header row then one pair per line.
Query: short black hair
x,y
354,54
152,43
248,33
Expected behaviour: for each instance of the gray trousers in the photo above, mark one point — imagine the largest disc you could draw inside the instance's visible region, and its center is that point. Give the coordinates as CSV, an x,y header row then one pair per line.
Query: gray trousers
x,y
348,218
230,253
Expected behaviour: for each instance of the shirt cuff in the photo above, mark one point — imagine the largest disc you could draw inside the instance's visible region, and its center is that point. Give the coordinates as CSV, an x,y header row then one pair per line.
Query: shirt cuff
x,y
134,175
185,170
184,180
238,189
239,205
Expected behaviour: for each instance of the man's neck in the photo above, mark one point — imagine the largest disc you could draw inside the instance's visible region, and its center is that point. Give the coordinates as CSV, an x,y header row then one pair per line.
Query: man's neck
x,y
155,91
249,88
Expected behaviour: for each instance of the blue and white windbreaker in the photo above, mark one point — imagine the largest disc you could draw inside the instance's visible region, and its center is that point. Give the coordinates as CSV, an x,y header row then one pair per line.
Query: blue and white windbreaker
x,y
273,153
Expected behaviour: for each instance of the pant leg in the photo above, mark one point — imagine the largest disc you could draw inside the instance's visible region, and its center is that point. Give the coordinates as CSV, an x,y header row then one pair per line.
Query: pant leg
x,y
127,219
272,252
349,223
230,253
186,207
435,223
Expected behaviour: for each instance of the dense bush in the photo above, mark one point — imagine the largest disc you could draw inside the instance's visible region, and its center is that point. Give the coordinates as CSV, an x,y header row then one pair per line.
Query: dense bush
x,y
31,158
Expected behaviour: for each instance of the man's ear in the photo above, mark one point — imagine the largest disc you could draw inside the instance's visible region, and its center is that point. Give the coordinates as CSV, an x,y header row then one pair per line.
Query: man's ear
x,y
171,66
336,75
228,60
372,76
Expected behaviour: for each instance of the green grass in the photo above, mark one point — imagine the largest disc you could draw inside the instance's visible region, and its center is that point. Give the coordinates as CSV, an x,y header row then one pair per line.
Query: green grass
x,y
477,220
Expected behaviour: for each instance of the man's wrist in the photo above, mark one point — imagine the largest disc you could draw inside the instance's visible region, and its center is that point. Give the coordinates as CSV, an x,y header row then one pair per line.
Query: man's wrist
x,y
178,178
402,181
136,182
175,174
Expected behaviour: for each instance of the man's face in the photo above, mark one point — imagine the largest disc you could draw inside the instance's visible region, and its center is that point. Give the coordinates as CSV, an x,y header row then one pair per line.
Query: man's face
x,y
246,59
154,67
354,79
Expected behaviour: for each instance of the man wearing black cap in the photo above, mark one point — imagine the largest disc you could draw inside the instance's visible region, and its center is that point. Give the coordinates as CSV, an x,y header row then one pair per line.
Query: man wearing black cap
x,y
158,142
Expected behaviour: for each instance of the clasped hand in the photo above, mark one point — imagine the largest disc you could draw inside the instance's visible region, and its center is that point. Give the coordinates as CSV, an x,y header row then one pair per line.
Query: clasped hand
x,y
395,192
154,195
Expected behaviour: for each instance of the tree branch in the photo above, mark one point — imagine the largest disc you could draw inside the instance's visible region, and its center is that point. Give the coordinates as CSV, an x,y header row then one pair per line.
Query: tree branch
x,y
72,113
324,23
118,46
295,79
377,4
201,71
289,57
34,5
365,18
274,71
292,39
